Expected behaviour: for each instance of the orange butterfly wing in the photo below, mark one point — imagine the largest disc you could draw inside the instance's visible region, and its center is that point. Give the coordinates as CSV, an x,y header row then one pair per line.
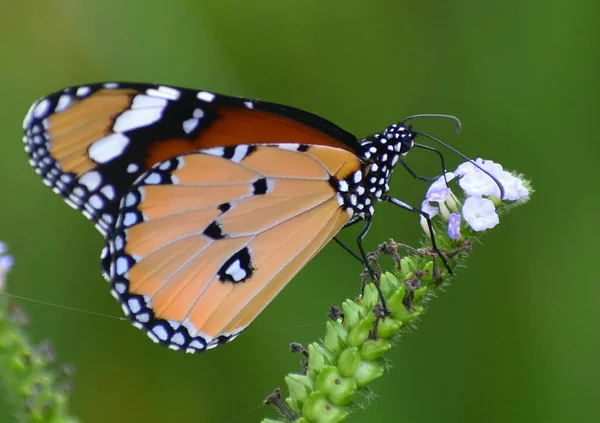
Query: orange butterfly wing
x,y
203,243
90,143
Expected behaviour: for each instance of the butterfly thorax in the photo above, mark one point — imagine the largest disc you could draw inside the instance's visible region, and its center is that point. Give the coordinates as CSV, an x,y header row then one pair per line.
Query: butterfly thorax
x,y
380,154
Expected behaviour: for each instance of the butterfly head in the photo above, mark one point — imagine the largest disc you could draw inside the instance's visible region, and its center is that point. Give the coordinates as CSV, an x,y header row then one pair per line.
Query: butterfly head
x,y
380,154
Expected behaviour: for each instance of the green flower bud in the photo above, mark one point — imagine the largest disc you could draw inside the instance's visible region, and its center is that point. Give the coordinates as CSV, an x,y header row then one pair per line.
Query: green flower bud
x,y
319,410
367,372
349,361
374,349
318,357
359,333
352,313
389,283
338,389
395,304
427,277
419,295
388,327
370,296
336,336
407,265
300,388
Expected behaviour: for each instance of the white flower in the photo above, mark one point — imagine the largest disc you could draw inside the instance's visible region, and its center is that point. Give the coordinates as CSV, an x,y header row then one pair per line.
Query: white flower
x,y
477,183
480,213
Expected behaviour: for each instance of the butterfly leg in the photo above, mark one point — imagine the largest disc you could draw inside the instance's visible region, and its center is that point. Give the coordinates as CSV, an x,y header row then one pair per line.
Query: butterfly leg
x,y
410,208
420,177
374,278
349,251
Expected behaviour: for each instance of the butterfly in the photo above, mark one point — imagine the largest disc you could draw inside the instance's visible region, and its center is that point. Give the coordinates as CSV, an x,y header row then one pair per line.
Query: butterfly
x,y
209,204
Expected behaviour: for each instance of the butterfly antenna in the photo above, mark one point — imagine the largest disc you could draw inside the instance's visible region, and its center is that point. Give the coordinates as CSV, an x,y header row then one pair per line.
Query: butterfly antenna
x,y
455,151
454,119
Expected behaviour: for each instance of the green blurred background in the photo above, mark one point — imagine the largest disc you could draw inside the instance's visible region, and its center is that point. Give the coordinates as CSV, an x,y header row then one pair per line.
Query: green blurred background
x,y
514,339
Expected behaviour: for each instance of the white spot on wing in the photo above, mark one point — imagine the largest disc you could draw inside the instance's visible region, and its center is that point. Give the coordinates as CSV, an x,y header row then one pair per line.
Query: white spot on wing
x,y
152,179
165,165
96,202
134,305
130,219
239,153
41,109
132,168
141,101
189,125
160,332
64,102
164,92
120,287
196,343
122,266
215,151
205,96
137,118
83,91
109,192
235,271
78,192
91,180
27,120
291,147
108,148
178,339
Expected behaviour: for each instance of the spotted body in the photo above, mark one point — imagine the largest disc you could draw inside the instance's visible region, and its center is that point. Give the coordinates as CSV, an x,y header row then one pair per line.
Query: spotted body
x,y
209,204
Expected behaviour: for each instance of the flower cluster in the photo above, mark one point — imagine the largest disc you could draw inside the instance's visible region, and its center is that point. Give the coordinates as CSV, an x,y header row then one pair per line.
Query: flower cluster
x,y
481,195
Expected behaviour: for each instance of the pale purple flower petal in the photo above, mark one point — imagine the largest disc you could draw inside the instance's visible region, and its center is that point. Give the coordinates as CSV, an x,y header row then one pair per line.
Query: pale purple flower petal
x,y
513,187
464,168
6,263
480,213
454,226
494,168
438,191
429,209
